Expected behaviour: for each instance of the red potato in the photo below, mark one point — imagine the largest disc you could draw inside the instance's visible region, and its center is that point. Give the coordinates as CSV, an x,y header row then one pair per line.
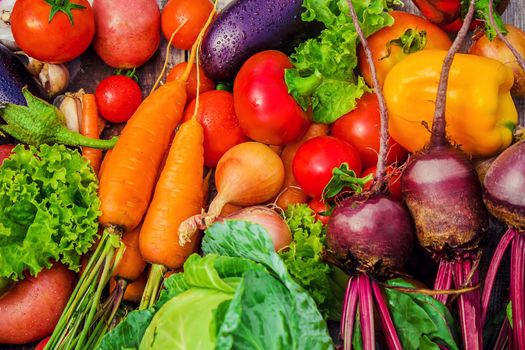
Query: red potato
x,y
127,32
32,307
5,152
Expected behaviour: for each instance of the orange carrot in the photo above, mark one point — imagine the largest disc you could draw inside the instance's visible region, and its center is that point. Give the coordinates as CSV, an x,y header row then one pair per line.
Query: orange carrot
x,y
132,265
89,126
291,193
133,291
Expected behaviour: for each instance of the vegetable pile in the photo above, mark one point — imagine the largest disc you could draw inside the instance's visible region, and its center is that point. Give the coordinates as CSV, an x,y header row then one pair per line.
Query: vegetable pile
x,y
306,166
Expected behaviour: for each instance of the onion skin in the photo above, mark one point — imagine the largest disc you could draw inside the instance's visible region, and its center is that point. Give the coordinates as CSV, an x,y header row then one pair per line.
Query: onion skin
x,y
497,50
442,191
374,234
505,186
277,228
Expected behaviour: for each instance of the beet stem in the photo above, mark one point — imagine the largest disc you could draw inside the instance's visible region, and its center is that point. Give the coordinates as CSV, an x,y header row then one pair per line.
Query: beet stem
x,y
519,57
468,306
503,336
439,136
493,270
349,313
443,280
388,326
366,309
383,111
517,290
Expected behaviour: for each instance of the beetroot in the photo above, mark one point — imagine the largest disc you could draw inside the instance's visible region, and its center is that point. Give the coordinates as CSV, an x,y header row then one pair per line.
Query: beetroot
x,y
442,191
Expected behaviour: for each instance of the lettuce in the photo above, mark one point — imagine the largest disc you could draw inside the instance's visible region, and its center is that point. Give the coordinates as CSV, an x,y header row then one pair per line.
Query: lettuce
x,y
48,209
323,76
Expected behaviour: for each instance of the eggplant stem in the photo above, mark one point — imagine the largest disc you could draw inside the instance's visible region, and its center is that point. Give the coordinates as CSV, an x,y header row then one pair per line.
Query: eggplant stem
x,y
492,271
443,281
349,313
517,294
439,135
366,310
388,326
469,305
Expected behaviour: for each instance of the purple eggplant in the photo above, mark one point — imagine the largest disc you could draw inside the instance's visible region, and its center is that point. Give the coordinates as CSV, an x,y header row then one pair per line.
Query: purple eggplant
x,y
245,27
13,77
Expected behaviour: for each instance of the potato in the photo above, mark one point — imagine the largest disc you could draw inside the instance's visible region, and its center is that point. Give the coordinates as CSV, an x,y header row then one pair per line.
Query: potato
x,y
32,307
127,33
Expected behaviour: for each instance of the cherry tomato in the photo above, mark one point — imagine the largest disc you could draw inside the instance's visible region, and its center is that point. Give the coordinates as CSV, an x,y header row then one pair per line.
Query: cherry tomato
x,y
118,97
361,128
221,127
206,84
316,158
42,344
5,152
318,206
57,41
266,112
194,12
380,43
394,180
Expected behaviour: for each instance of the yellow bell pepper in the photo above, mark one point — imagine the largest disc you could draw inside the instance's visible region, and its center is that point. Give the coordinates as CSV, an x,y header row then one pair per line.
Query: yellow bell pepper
x,y
480,112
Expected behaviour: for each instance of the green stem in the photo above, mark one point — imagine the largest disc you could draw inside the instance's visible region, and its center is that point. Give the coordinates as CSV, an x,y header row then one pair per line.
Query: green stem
x,y
70,138
155,278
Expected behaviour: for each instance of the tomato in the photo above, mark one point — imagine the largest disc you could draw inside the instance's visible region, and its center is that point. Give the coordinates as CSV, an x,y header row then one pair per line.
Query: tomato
x,y
361,128
379,44
5,152
318,206
56,41
42,344
221,127
266,112
118,97
316,158
394,180
206,84
176,12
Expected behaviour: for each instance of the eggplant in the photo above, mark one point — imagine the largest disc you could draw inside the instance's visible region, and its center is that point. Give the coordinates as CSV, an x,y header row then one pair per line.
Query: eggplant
x,y
245,27
13,77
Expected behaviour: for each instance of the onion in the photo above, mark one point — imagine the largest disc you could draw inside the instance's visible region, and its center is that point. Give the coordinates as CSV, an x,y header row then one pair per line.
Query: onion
x,y
54,78
274,224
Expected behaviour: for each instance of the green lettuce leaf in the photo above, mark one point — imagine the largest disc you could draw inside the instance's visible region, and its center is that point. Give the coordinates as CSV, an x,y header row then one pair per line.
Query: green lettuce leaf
x,y
323,76
250,241
421,321
128,333
303,259
48,209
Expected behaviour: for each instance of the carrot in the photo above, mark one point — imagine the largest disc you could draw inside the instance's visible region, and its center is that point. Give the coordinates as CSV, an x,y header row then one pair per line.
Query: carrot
x,y
132,264
126,187
89,126
291,193
133,291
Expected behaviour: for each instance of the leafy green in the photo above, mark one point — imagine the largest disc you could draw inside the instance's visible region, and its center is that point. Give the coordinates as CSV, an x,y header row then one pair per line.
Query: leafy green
x,y
303,259
48,209
323,76
250,241
482,13
421,321
508,311
127,334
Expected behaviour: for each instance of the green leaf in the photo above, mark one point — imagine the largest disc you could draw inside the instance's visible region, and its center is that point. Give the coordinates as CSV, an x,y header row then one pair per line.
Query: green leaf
x,y
418,316
323,75
482,13
343,177
508,311
128,333
48,209
303,259
250,241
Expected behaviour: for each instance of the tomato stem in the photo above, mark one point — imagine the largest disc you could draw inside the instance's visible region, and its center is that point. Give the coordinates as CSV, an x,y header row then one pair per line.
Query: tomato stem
x,y
64,6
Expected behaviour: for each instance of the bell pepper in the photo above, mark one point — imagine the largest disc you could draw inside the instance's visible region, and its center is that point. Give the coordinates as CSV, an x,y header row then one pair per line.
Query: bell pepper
x,y
480,113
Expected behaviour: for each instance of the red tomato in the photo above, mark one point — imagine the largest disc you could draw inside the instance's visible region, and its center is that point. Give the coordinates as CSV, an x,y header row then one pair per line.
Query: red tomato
x,y
5,152
42,344
316,158
266,112
380,43
206,84
394,180
56,41
118,97
221,127
176,12
361,128
319,206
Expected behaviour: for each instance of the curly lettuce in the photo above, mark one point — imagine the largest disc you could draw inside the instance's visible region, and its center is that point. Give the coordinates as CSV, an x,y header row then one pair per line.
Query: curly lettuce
x,y
48,209
323,76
